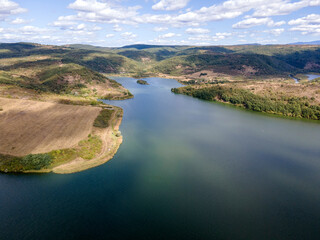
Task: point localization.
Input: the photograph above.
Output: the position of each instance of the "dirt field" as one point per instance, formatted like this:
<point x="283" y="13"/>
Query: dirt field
<point x="277" y="90"/>
<point x="110" y="146"/>
<point x="39" y="127"/>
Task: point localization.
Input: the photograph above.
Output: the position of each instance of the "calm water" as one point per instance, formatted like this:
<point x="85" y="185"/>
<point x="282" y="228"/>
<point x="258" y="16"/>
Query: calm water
<point x="187" y="169"/>
<point x="312" y="76"/>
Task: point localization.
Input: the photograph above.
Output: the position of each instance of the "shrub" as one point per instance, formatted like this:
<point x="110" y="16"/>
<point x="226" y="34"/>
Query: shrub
<point x="103" y="119"/>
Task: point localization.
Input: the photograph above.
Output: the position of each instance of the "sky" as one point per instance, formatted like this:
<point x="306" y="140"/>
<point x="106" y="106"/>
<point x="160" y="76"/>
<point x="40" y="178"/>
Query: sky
<point x="114" y="23"/>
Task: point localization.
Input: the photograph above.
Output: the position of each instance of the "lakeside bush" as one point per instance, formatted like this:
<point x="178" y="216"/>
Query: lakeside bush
<point x="292" y="106"/>
<point x="36" y="161"/>
<point x="30" y="162"/>
<point x="103" y="119"/>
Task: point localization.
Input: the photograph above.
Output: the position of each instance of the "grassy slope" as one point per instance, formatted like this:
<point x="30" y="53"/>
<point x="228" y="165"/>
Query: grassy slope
<point x="59" y="70"/>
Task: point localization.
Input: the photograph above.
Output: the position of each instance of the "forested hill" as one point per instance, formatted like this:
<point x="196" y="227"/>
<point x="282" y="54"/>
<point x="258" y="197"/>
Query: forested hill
<point x="247" y="60"/>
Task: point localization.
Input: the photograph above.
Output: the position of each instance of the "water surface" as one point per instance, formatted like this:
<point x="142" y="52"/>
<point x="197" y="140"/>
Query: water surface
<point x="187" y="169"/>
<point x="312" y="76"/>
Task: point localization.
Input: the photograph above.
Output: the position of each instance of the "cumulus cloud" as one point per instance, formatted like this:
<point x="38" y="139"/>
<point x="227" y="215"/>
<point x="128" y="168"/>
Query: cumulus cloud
<point x="160" y="29"/>
<point x="197" y="31"/>
<point x="170" y="5"/>
<point x="169" y="35"/>
<point x="128" y="35"/>
<point x="64" y="22"/>
<point x="96" y="11"/>
<point x="221" y="36"/>
<point x="109" y="35"/>
<point x="307" y="25"/>
<point x="8" y="8"/>
<point x="19" y="21"/>
<point x="275" y="32"/>
<point x="211" y="38"/>
<point x="310" y="19"/>
<point x="117" y="28"/>
<point x="273" y="8"/>
<point x="252" y="22"/>
<point x="106" y="12"/>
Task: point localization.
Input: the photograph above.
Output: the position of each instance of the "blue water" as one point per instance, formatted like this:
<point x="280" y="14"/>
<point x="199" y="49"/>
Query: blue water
<point x="187" y="169"/>
<point x="312" y="76"/>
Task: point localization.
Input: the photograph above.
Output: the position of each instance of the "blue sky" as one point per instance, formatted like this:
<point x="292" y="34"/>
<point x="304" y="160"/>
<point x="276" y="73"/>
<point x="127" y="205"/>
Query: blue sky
<point x="113" y="23"/>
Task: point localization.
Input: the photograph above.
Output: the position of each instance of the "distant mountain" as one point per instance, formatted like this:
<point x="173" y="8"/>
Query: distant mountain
<point x="306" y="43"/>
<point x="146" y="46"/>
<point x="87" y="47"/>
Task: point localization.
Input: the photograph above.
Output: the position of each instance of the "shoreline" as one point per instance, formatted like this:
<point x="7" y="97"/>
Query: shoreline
<point x="107" y="153"/>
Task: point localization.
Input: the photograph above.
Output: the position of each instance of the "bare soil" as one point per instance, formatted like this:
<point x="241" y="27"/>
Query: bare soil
<point x="110" y="144"/>
<point x="277" y="89"/>
<point x="38" y="127"/>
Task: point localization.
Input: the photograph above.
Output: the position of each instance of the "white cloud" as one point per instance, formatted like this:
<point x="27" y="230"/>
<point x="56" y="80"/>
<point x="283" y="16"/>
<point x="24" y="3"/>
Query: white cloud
<point x="169" y="35"/>
<point x="64" y="22"/>
<point x="67" y="23"/>
<point x="166" y="41"/>
<point x="128" y="35"/>
<point x="312" y="18"/>
<point x="252" y="22"/>
<point x="170" y="5"/>
<point x="207" y="38"/>
<point x="221" y="36"/>
<point x="29" y="30"/>
<point x="197" y="31"/>
<point x="160" y="29"/>
<point x="202" y="37"/>
<point x="267" y="41"/>
<point x="109" y="35"/>
<point x="96" y="11"/>
<point x="117" y="28"/>
<point x="284" y="7"/>
<point x="81" y="26"/>
<point x="8" y="8"/>
<point x="19" y="21"/>
<point x="108" y="12"/>
<point x="276" y="32"/>
<point x="307" y="25"/>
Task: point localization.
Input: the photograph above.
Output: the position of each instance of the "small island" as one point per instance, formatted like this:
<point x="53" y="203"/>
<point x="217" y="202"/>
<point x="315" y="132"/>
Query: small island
<point x="142" y="82"/>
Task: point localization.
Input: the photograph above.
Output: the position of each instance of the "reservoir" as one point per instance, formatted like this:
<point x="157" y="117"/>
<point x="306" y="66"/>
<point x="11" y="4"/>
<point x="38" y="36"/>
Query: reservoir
<point x="187" y="169"/>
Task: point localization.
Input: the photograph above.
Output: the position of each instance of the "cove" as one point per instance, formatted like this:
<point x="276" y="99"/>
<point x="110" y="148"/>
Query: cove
<point x="187" y="169"/>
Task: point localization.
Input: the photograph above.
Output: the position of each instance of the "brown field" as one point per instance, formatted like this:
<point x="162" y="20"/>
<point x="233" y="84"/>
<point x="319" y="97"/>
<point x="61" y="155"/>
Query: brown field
<point x="110" y="145"/>
<point x="39" y="127"/>
<point x="212" y="76"/>
<point x="276" y="90"/>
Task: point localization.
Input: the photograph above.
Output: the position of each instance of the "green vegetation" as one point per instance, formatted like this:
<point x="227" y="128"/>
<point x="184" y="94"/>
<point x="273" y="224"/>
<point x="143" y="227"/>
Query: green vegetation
<point x="30" y="162"/>
<point x="63" y="155"/>
<point x="287" y="106"/>
<point x="80" y="102"/>
<point x="87" y="149"/>
<point x="144" y="60"/>
<point x="103" y="119"/>
<point x="126" y="95"/>
<point x="142" y="82"/>
<point x="90" y="148"/>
